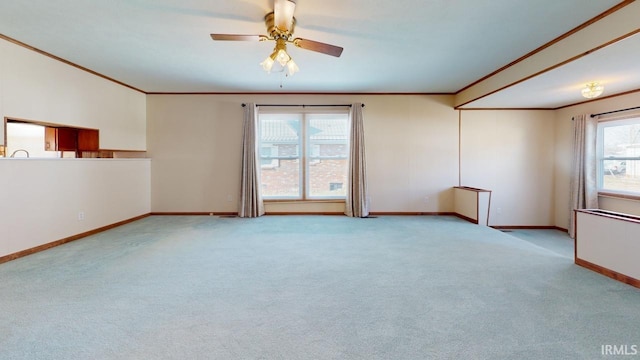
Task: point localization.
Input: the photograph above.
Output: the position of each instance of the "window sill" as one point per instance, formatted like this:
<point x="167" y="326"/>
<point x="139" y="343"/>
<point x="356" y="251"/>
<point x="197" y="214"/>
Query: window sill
<point x="618" y="196"/>
<point x="304" y="201"/>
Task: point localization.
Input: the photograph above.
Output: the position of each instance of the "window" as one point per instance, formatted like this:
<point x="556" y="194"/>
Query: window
<point x="304" y="155"/>
<point x="618" y="147"/>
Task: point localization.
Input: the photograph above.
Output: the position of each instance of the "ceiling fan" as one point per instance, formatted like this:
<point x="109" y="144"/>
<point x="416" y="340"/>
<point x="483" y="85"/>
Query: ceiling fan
<point x="280" y="25"/>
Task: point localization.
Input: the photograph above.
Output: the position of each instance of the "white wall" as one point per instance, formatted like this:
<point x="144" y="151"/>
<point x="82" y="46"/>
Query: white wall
<point x="195" y="143"/>
<point x="564" y="138"/>
<point x="36" y="87"/>
<point x="3" y="71"/>
<point x="41" y="198"/>
<point x="511" y="152"/>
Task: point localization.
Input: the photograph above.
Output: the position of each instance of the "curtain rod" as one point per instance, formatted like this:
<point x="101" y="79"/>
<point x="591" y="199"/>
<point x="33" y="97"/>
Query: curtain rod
<point x="615" y="111"/>
<point x="292" y="105"/>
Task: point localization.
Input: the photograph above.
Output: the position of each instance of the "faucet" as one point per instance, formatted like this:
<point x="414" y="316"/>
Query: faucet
<point x="14" y="153"/>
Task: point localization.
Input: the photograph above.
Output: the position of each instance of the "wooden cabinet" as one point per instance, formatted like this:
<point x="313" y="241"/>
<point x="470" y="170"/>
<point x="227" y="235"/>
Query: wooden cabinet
<point x="71" y="139"/>
<point x="88" y="140"/>
<point x="60" y="139"/>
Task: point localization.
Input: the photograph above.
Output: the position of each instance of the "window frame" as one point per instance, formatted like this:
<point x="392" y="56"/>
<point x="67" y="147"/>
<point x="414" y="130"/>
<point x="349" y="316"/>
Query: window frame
<point x="306" y="155"/>
<point x="600" y="157"/>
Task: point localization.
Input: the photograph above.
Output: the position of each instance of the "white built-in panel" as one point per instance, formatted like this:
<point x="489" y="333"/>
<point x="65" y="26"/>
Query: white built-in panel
<point x="472" y="203"/>
<point x="609" y="240"/>
<point x="45" y="200"/>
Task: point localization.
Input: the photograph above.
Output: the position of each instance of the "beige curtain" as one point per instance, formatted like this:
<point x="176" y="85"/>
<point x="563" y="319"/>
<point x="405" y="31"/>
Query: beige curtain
<point x="583" y="192"/>
<point x="357" y="192"/>
<point x="251" y="204"/>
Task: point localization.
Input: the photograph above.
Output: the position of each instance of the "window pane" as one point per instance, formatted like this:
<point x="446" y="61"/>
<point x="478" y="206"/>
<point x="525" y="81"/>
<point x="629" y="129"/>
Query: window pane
<point x="621" y="175"/>
<point x="328" y="178"/>
<point x="280" y="155"/>
<point x="622" y="140"/>
<point x="327" y="149"/>
<point x="282" y="181"/>
<point x="620" y="156"/>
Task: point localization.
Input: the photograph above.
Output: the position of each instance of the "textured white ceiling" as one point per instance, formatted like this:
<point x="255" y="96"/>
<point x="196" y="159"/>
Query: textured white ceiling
<point x="402" y="46"/>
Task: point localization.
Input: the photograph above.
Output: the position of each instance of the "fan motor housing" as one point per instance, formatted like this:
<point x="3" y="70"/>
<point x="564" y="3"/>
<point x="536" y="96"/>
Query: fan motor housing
<point x="276" y="32"/>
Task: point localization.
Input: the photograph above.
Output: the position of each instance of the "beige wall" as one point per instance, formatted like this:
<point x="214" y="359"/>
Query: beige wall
<point x="510" y="152"/>
<point x="564" y="138"/>
<point x="36" y="87"/>
<point x="195" y="144"/>
<point x="41" y="198"/>
<point x="412" y="151"/>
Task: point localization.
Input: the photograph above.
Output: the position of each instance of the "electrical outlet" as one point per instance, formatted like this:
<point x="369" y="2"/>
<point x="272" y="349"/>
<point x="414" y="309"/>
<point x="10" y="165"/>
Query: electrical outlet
<point x="499" y="211"/>
<point x="426" y="199"/>
<point x="229" y="198"/>
<point x="81" y="216"/>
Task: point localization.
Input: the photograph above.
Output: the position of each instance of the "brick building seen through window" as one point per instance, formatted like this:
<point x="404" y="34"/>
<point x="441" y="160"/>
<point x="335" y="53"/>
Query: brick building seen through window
<point x="304" y="155"/>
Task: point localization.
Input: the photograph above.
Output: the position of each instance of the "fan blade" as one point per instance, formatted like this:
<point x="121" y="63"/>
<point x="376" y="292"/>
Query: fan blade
<point x="233" y="37"/>
<point x="283" y="14"/>
<point x="318" y="47"/>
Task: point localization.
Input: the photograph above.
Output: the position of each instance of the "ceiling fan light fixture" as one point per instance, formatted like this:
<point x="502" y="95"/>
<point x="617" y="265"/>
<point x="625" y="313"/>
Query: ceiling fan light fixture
<point x="267" y="64"/>
<point x="292" y="67"/>
<point x="280" y="25"/>
<point x="592" y="90"/>
<point x="282" y="57"/>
